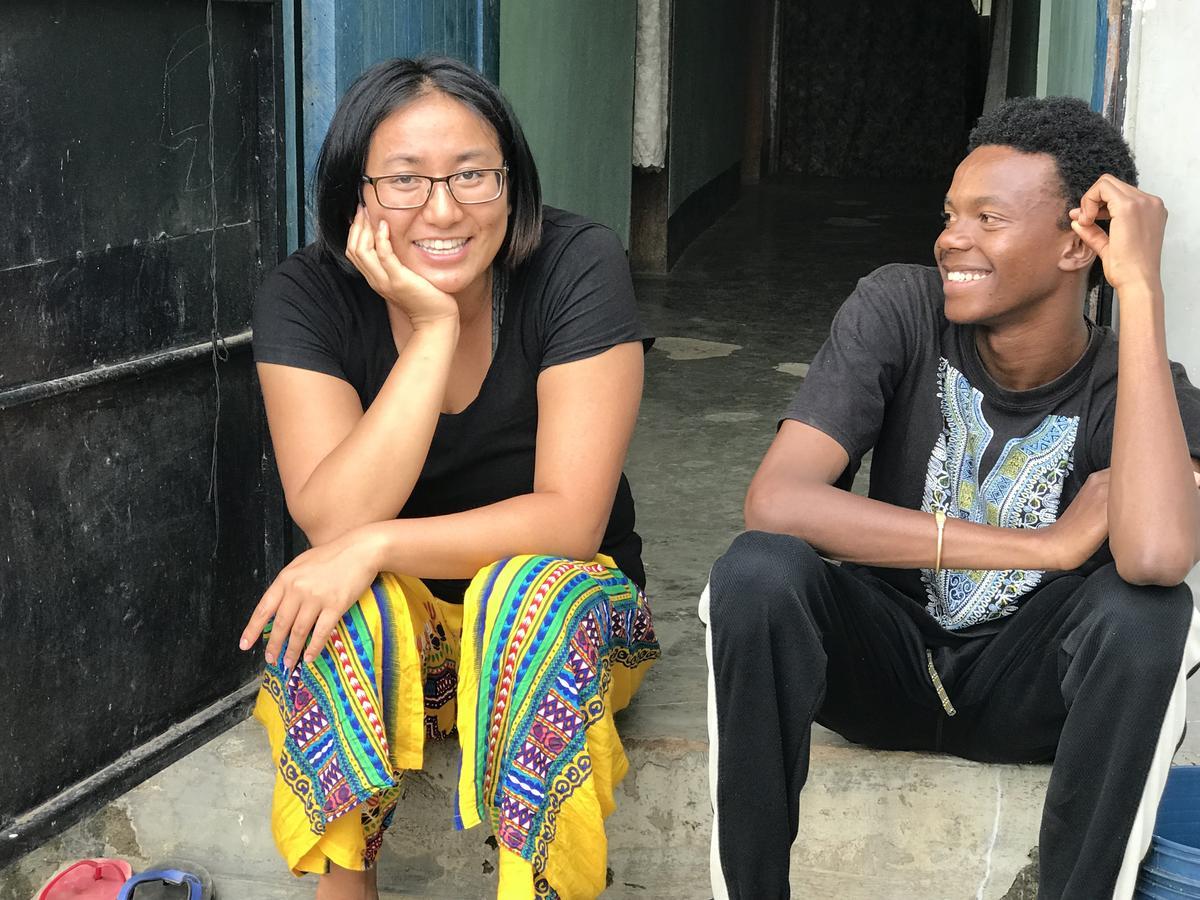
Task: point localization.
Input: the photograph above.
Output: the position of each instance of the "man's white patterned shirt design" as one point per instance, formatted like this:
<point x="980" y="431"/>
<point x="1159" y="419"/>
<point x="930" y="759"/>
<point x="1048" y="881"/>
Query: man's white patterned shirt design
<point x="1022" y="490"/>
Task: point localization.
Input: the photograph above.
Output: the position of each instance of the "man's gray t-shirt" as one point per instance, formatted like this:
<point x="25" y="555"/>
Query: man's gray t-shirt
<point x="897" y="378"/>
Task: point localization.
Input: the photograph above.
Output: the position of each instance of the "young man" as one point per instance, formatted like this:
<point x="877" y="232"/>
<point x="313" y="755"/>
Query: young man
<point x="1011" y="589"/>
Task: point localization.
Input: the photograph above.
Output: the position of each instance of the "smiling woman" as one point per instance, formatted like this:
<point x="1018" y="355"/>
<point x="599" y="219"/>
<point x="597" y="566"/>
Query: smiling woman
<point x="426" y="365"/>
<point x="450" y="239"/>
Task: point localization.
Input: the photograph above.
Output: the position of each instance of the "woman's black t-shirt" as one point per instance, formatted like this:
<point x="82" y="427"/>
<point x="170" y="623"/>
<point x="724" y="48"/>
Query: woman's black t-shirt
<point x="572" y="299"/>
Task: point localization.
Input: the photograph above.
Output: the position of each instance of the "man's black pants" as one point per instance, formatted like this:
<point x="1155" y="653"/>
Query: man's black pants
<point x="1082" y="674"/>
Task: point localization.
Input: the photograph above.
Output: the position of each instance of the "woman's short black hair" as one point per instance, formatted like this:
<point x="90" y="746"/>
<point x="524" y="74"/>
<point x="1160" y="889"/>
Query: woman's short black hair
<point x="1083" y="144"/>
<point x="380" y="91"/>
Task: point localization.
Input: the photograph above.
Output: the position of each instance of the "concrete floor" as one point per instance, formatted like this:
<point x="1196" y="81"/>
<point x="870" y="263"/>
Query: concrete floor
<point x="739" y="318"/>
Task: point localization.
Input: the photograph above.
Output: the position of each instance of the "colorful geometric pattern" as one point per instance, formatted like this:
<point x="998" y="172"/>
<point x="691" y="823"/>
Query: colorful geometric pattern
<point x="336" y="750"/>
<point x="548" y="633"/>
<point x="560" y="629"/>
<point x="376" y="816"/>
<point x="1022" y="490"/>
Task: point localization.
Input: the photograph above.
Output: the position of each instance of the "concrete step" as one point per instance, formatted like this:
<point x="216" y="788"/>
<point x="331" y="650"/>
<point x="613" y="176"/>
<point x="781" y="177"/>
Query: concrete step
<point x="874" y="825"/>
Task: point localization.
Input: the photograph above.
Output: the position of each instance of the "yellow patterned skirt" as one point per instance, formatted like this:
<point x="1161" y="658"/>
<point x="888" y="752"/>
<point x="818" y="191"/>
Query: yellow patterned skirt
<point x="530" y="669"/>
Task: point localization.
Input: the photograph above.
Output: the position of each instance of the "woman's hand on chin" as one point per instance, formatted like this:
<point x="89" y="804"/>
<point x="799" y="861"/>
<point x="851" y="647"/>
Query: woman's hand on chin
<point x="369" y="248"/>
<point x="311" y="594"/>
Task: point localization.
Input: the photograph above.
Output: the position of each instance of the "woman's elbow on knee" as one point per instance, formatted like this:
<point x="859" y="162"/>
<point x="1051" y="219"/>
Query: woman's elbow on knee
<point x="590" y="543"/>
<point x="581" y="540"/>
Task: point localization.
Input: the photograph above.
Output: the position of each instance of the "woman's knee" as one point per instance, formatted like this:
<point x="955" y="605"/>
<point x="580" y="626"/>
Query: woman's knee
<point x="537" y="561"/>
<point x="514" y="581"/>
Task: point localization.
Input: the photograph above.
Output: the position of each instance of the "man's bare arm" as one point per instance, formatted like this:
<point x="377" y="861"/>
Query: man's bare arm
<point x="792" y="492"/>
<point x="1154" y="509"/>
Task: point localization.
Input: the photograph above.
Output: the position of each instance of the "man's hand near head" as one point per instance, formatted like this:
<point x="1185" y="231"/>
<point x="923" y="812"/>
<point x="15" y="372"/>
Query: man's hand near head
<point x="1153" y="507"/>
<point x="1131" y="249"/>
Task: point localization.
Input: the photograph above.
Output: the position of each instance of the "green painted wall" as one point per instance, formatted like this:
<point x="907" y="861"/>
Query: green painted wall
<point x="708" y="71"/>
<point x="1067" y="53"/>
<point x="567" y="68"/>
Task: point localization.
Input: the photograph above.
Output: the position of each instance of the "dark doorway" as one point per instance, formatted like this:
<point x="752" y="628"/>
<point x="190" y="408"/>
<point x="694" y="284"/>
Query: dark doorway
<point x="878" y="88"/>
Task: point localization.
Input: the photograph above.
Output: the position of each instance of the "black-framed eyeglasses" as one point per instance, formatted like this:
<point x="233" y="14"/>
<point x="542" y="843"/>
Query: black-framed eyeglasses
<point x="413" y="191"/>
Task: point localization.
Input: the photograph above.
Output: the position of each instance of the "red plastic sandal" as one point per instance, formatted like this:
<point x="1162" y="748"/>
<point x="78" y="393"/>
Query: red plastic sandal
<point x="87" y="879"/>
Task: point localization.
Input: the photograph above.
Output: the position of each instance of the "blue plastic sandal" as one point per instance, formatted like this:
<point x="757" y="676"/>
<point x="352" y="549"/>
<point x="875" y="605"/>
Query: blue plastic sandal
<point x="169" y="881"/>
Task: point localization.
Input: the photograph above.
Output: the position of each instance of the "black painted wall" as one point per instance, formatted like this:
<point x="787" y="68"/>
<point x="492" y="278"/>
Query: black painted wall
<point x="878" y="88"/>
<point x="139" y="161"/>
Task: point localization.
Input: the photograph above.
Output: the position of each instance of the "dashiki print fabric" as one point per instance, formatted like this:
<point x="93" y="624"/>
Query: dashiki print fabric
<point x="552" y="648"/>
<point x="1022" y="490"/>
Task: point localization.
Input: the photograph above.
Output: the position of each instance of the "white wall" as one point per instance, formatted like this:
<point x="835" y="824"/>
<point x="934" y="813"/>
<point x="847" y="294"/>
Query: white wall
<point x="1162" y="125"/>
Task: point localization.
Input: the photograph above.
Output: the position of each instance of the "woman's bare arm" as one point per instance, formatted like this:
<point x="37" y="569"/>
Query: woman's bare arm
<point x="586" y="415"/>
<point x="341" y="467"/>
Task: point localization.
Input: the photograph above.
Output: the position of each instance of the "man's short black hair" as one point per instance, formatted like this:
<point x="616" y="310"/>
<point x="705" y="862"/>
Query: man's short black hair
<point x="376" y="94"/>
<point x="1083" y="144"/>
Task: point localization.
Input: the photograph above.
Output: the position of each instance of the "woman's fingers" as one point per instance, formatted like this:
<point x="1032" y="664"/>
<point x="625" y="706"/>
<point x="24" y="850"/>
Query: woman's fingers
<point x="321" y="632"/>
<point x="305" y="624"/>
<point x="282" y="627"/>
<point x="365" y="256"/>
<point x="261" y="616"/>
<point x="396" y="271"/>
<point x="356" y="248"/>
<point x="374" y="256"/>
<point x="302" y="625"/>
<point x="364" y="235"/>
<point x="354" y="235"/>
<point x="383" y="242"/>
<point x="364" y="244"/>
<point x="306" y="601"/>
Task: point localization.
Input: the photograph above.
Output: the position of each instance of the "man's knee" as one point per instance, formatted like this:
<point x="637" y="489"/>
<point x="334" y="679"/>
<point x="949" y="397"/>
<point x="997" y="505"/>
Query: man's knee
<point x="1141" y="626"/>
<point x="1137" y="608"/>
<point x="759" y="571"/>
